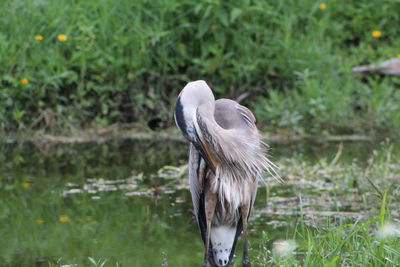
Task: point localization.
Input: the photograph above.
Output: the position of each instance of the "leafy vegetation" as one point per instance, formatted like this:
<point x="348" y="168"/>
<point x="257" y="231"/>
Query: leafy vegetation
<point x="82" y="63"/>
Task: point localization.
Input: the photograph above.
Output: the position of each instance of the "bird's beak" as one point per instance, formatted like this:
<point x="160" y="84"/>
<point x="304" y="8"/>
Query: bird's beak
<point x="205" y="153"/>
<point x="208" y="157"/>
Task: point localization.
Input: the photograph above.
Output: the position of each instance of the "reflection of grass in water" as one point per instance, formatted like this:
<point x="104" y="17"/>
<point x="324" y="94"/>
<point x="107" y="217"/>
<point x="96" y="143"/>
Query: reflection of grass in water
<point x="147" y="231"/>
<point x="133" y="231"/>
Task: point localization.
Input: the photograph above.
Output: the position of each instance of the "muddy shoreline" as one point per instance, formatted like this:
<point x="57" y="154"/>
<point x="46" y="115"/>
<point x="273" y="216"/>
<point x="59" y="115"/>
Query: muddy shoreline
<point x="169" y="135"/>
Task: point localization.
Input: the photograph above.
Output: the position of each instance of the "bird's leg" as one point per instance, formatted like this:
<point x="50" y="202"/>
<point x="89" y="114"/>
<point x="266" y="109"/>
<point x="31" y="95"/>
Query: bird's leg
<point x="210" y="200"/>
<point x="244" y="210"/>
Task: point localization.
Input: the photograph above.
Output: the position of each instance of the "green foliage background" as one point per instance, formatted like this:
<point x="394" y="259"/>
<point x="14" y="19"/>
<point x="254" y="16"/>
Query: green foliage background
<point x="126" y="61"/>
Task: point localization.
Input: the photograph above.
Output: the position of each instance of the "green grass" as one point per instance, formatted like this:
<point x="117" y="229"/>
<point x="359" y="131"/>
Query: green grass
<point x="126" y="61"/>
<point x="371" y="191"/>
<point x="338" y="243"/>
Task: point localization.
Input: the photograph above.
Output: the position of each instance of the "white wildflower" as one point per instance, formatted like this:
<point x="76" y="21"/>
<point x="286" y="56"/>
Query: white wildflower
<point x="388" y="230"/>
<point x="283" y="248"/>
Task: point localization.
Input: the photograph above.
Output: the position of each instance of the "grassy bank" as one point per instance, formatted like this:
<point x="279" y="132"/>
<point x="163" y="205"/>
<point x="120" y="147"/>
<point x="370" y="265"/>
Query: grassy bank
<point x="84" y="63"/>
<point x="350" y="218"/>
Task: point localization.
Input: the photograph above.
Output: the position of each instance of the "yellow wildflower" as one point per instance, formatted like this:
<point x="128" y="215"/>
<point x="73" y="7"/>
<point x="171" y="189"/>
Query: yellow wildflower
<point x="398" y="56"/>
<point x="376" y="34"/>
<point x="39" y="37"/>
<point x="322" y="6"/>
<point x="62" y="38"/>
<point x="26" y="185"/>
<point x="24" y="81"/>
<point x="39" y="221"/>
<point x="63" y="218"/>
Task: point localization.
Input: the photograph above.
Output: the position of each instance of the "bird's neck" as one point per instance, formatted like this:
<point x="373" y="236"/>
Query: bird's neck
<point x="206" y="113"/>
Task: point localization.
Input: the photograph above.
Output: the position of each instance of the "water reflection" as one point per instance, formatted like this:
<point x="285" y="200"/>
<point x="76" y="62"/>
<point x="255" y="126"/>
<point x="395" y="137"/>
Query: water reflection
<point x="118" y="159"/>
<point x="122" y="209"/>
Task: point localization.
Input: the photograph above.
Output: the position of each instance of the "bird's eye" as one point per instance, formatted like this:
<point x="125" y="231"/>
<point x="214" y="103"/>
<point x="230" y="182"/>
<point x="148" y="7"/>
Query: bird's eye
<point x="191" y="132"/>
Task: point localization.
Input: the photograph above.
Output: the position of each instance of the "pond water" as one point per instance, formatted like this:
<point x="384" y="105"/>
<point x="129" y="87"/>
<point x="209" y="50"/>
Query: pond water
<point x="63" y="203"/>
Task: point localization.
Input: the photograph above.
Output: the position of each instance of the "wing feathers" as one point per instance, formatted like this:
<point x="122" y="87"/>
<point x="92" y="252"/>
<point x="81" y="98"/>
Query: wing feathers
<point x="247" y="115"/>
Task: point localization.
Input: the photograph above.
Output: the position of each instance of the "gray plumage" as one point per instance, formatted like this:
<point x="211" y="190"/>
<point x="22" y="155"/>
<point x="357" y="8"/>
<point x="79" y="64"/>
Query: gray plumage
<point x="226" y="160"/>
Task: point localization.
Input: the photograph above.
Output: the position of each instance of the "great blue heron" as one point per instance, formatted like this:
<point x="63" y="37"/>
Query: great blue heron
<point x="226" y="160"/>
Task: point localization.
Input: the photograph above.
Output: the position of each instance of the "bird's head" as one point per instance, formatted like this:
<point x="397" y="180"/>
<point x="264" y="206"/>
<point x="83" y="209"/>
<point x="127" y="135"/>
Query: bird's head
<point x="193" y="96"/>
